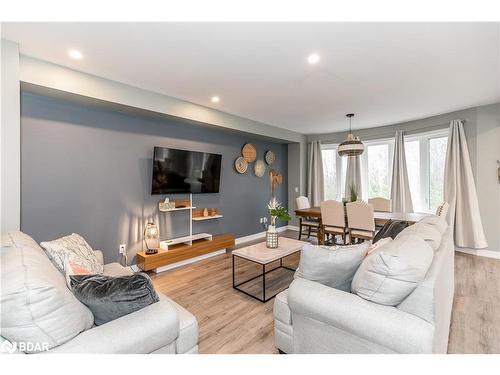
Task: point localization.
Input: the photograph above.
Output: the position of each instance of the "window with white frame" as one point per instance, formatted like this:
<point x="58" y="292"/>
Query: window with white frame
<point x="425" y="158"/>
<point x="330" y="157"/>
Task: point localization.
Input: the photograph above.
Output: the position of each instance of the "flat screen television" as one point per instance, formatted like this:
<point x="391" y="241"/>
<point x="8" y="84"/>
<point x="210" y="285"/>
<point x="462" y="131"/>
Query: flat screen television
<point x="181" y="171"/>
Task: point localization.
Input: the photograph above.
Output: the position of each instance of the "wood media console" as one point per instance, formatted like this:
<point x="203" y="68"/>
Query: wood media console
<point x="183" y="253"/>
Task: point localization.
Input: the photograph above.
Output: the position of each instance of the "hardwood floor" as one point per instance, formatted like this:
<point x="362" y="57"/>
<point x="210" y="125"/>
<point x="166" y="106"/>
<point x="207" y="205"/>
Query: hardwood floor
<point x="231" y="322"/>
<point x="475" y="324"/>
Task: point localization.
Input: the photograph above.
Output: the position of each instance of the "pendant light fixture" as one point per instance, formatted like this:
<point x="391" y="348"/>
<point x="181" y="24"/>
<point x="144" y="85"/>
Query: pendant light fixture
<point x="352" y="146"/>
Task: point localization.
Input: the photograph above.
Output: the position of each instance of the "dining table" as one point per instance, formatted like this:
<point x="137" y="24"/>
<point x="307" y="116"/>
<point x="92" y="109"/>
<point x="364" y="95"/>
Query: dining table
<point x="381" y="217"/>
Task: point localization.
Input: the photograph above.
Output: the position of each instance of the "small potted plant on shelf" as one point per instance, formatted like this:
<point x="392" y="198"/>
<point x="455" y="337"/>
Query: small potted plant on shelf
<point x="276" y="211"/>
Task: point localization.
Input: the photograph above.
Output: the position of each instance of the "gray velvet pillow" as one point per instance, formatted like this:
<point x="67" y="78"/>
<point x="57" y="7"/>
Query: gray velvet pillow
<point x="112" y="297"/>
<point x="331" y="266"/>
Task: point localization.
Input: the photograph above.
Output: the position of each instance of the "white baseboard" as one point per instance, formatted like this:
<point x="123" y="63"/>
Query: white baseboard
<point x="481" y="253"/>
<point x="188" y="261"/>
<point x="293" y="227"/>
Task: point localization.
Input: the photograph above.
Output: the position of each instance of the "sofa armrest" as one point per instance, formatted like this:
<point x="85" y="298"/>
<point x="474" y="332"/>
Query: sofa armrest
<point x="386" y="326"/>
<point x="100" y="256"/>
<point x="140" y="332"/>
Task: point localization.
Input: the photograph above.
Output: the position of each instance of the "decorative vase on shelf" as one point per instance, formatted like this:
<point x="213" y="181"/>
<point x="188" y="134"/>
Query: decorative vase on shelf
<point x="271" y="237"/>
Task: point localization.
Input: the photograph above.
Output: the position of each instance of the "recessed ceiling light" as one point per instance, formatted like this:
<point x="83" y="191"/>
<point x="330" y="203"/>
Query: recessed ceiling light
<point x="75" y="54"/>
<point x="215" y="99"/>
<point x="313" y="58"/>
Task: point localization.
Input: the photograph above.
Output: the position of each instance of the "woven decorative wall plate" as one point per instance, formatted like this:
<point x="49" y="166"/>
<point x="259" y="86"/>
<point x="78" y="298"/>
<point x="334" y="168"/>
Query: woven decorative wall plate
<point x="249" y="152"/>
<point x="241" y="165"/>
<point x="259" y="168"/>
<point x="270" y="157"/>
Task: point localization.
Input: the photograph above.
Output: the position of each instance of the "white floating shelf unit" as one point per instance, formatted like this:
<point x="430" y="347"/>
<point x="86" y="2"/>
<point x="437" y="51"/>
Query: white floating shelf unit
<point x="164" y="244"/>
<point x="202" y="218"/>
<point x="178" y="209"/>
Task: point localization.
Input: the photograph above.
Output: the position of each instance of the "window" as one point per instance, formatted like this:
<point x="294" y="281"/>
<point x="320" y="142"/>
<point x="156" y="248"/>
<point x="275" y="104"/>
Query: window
<point x="425" y="158"/>
<point x="378" y="171"/>
<point x="329" y="156"/>
<point x="437" y="155"/>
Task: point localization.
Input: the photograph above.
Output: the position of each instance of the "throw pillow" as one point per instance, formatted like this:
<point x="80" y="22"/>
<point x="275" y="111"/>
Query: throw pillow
<point x="390" y="229"/>
<point x="75" y="249"/>
<point x="427" y="232"/>
<point x="112" y="297"/>
<point x="331" y="266"/>
<point x="389" y="274"/>
<point x="72" y="268"/>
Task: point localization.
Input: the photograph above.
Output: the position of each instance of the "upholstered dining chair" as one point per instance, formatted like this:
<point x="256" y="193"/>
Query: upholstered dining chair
<point x="311" y="224"/>
<point x="442" y="210"/>
<point x="381" y="204"/>
<point x="333" y="219"/>
<point x="360" y="221"/>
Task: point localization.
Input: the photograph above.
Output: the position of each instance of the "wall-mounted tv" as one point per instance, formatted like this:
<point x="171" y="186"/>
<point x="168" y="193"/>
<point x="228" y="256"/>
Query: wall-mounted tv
<point x="181" y="171"/>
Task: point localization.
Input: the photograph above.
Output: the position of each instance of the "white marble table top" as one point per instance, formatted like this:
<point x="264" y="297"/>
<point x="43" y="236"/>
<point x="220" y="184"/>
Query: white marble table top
<point x="261" y="254"/>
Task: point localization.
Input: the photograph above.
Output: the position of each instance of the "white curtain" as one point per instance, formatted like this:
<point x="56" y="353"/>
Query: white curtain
<point x="353" y="176"/>
<point x="315" y="187"/>
<point x="460" y="192"/>
<point x="400" y="187"/>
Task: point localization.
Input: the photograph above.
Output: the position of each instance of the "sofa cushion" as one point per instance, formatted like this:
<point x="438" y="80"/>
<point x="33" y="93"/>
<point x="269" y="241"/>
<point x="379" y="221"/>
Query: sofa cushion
<point x="37" y="306"/>
<point x="331" y="266"/>
<point x="110" y="297"/>
<point x="390" y="273"/>
<point x="437" y="222"/>
<point x="72" y="248"/>
<point x="427" y="232"/>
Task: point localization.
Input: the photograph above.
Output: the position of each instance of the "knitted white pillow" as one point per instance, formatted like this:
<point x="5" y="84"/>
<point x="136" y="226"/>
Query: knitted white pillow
<point x="74" y="249"/>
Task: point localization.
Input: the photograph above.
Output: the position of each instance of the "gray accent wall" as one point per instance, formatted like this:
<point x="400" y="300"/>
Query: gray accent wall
<point x="88" y="170"/>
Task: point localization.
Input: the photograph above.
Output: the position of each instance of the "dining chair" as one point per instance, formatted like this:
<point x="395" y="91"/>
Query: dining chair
<point x="311" y="224"/>
<point x="381" y="204"/>
<point x="333" y="219"/>
<point x="442" y="210"/>
<point x="360" y="221"/>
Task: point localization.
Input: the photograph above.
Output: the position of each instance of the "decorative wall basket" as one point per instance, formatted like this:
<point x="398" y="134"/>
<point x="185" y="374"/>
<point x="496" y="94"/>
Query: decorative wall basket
<point x="249" y="152"/>
<point x="272" y="240"/>
<point x="241" y="165"/>
<point x="259" y="168"/>
<point x="270" y="157"/>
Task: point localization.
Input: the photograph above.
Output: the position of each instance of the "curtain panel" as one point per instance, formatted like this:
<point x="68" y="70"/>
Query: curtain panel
<point x="315" y="179"/>
<point x="460" y="192"/>
<point x="400" y="186"/>
<point x="353" y="176"/>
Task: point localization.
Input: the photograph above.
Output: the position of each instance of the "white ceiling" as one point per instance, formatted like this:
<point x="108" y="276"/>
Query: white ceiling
<point x="384" y="72"/>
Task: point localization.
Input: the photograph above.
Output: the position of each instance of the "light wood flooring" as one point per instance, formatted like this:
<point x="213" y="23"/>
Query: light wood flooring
<point x="231" y="322"/>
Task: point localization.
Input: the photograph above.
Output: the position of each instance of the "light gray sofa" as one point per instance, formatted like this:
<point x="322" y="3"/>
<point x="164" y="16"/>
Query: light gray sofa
<point x="312" y="318"/>
<point x="163" y="327"/>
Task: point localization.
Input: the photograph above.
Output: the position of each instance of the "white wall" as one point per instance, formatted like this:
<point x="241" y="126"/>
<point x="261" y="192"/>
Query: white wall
<point x="10" y="138"/>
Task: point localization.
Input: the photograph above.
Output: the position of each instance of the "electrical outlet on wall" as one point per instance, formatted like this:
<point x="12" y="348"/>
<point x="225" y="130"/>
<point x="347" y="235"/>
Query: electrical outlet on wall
<point x="123" y="248"/>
